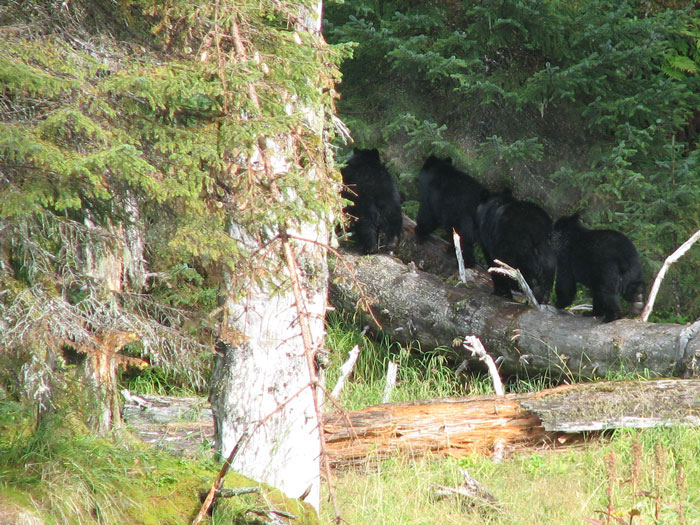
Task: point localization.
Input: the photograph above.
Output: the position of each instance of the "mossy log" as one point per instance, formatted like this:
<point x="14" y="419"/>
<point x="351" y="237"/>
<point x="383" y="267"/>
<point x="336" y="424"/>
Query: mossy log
<point x="484" y="424"/>
<point x="411" y="305"/>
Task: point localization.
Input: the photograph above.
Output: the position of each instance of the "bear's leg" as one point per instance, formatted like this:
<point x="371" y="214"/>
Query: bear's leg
<point x="393" y="228"/>
<point x="366" y="237"/>
<point x="606" y="303"/>
<point x="566" y="286"/>
<point x="426" y="223"/>
<point x="466" y="237"/>
<point x="502" y="286"/>
<point x="634" y="294"/>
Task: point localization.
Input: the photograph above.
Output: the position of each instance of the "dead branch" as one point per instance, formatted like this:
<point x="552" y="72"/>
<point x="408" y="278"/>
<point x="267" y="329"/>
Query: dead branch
<point x="473" y="344"/>
<point x="391" y="370"/>
<point x="472" y="492"/>
<point x="456" y="240"/>
<point x="345" y="370"/>
<point x="485" y="424"/>
<point x="515" y="274"/>
<point x="662" y="273"/>
<point x="417" y="308"/>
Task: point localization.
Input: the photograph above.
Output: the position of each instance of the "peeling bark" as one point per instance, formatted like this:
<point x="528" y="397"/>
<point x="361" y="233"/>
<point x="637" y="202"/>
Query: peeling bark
<point x="483" y="424"/>
<point x="412" y="305"/>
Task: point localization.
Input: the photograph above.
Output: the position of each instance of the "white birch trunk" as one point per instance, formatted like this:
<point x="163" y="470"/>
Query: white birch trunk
<point x="265" y="378"/>
<point x="261" y="391"/>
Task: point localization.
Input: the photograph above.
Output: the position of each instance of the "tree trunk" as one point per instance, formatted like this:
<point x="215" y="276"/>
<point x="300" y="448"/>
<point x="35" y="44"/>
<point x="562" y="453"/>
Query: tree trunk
<point x="486" y="424"/>
<point x="263" y="387"/>
<point x="260" y="388"/>
<point x="118" y="266"/>
<point x="413" y="305"/>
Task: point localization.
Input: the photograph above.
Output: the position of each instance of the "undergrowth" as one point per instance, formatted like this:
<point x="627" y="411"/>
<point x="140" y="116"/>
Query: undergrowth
<point x="639" y="477"/>
<point x="58" y="473"/>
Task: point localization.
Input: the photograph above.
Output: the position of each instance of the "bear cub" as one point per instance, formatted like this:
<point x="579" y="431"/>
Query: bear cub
<point x="376" y="204"/>
<point x="605" y="261"/>
<point x="448" y="198"/>
<point x="518" y="233"/>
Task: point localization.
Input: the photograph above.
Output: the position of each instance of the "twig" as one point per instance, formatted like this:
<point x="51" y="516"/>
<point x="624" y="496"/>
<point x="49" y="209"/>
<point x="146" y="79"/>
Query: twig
<point x="391" y="370"/>
<point x="232" y="493"/>
<point x="216" y="486"/>
<point x="473" y="344"/>
<point x="309" y="351"/>
<point x="345" y="370"/>
<point x="504" y="269"/>
<point x="473" y="490"/>
<point x="662" y="272"/>
<point x="458" y="252"/>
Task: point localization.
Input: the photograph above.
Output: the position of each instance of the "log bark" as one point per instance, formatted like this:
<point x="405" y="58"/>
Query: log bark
<point x="412" y="306"/>
<point x="549" y="418"/>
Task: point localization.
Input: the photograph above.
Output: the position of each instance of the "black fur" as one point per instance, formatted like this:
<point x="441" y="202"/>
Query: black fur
<point x="605" y="261"/>
<point x="376" y="204"/>
<point x="448" y="198"/>
<point x="520" y="234"/>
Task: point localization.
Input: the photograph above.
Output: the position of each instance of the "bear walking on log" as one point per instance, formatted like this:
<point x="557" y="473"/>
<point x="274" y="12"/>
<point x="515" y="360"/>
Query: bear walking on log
<point x="520" y="234"/>
<point x="605" y="261"/>
<point x="376" y="204"/>
<point x="448" y="198"/>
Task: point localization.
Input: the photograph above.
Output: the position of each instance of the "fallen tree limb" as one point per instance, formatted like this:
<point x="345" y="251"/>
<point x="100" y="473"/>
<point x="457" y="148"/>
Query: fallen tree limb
<point x="682" y="249"/>
<point x="457" y="427"/>
<point x="416" y="306"/>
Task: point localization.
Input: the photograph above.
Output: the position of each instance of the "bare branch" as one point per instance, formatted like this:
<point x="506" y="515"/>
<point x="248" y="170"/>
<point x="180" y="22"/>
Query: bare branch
<point x="662" y="272"/>
<point x="504" y="269"/>
<point x="391" y="370"/>
<point x="473" y="344"/>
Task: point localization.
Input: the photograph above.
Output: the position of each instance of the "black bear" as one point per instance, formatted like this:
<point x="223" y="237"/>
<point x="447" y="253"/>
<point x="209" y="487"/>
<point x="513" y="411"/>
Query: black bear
<point x="519" y="234"/>
<point x="376" y="205"/>
<point x="605" y="261"/>
<point x="448" y="198"/>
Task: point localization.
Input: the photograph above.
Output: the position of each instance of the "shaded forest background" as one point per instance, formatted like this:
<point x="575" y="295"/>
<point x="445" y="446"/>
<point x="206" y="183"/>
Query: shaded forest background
<point x="577" y="106"/>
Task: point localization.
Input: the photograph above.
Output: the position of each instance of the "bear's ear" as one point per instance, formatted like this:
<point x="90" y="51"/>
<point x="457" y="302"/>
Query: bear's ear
<point x="374" y="152"/>
<point x="430" y="161"/>
<point x="355" y="151"/>
<point x="448" y="160"/>
<point x="575" y="218"/>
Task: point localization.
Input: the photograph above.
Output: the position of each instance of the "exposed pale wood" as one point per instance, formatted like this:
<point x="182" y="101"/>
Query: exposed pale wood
<point x="391" y="371"/>
<point x="345" y="370"/>
<point x="457" y="427"/>
<point x="662" y="272"/>
<point x="473" y="344"/>
<point x="452" y="427"/>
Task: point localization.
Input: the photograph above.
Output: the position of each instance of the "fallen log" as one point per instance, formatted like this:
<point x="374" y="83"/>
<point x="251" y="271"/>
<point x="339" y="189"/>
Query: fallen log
<point x="412" y="306"/>
<point x="549" y="418"/>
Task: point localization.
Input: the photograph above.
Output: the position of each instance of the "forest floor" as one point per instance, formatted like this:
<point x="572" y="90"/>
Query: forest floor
<point x="183" y="426"/>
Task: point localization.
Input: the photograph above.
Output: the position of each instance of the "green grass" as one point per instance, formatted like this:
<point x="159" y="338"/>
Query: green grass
<point x="561" y="486"/>
<point x="62" y="474"/>
<point x="421" y="375"/>
<point x="556" y="487"/>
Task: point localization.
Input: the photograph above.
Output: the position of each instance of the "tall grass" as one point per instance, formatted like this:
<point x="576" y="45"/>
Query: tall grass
<point x="639" y="477"/>
<point x="420" y="375"/>
<point x="653" y="478"/>
<point x="64" y="475"/>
